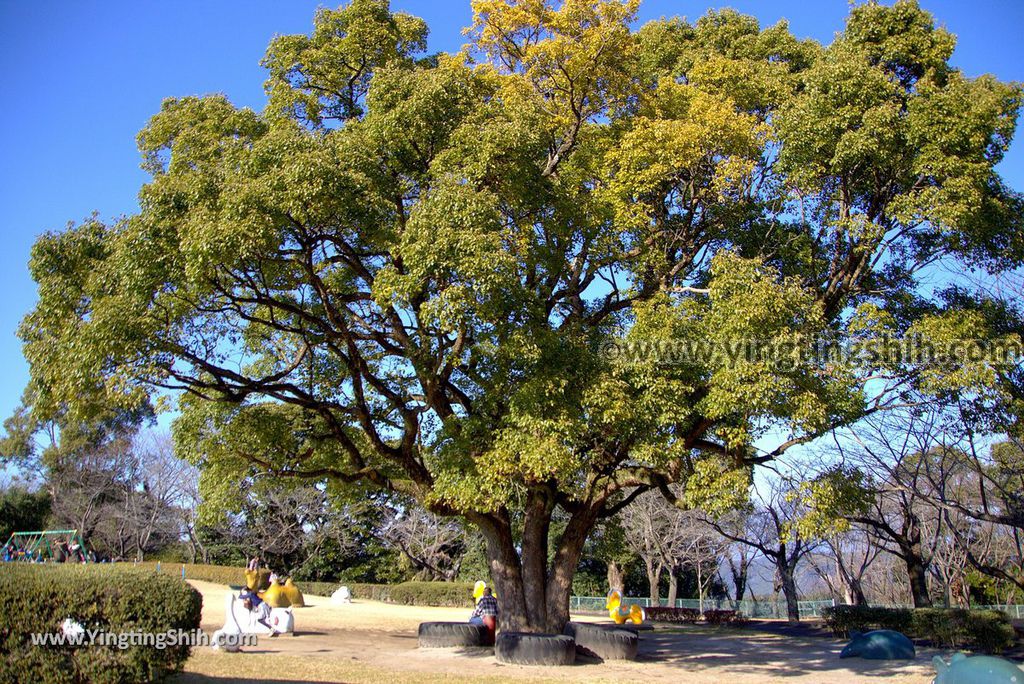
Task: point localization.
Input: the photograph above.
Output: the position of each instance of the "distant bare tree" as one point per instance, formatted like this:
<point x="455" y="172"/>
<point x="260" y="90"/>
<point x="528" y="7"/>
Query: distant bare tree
<point x="691" y="543"/>
<point x="644" y="522"/>
<point x="87" y="491"/>
<point x="887" y="583"/>
<point x="667" y="538"/>
<point x="278" y="519"/>
<point x="898" y="451"/>
<point x="842" y="562"/>
<point x="769" y="530"/>
<point x="153" y="494"/>
<point x="434" y="546"/>
<point x="188" y="516"/>
<point x="739" y="557"/>
<point x="982" y="481"/>
<point x="122" y="496"/>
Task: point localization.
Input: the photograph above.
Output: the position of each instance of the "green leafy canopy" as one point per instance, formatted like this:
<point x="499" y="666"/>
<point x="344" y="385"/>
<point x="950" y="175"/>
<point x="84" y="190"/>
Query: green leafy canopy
<point x="405" y="270"/>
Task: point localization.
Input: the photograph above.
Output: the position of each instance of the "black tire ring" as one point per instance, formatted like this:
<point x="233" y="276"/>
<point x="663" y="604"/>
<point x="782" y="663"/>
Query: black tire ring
<point x="450" y="634"/>
<point x="606" y="643"/>
<point x="520" y="648"/>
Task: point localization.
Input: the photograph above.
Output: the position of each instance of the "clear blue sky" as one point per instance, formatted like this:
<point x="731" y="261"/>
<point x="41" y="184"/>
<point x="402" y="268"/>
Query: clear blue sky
<point x="78" y="79"/>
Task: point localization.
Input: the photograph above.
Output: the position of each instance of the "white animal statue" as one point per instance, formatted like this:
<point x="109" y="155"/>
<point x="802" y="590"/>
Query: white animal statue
<point x="240" y="620"/>
<point x="342" y="595"/>
<point x="71" y="629"/>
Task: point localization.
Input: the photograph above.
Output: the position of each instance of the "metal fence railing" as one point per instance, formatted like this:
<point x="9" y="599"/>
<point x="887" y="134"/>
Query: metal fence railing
<point x="752" y="609"/>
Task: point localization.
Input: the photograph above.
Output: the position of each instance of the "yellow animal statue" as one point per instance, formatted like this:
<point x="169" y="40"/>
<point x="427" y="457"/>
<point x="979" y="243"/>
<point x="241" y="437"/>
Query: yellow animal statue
<point x="618" y="613"/>
<point x="276" y="596"/>
<point x="257" y="579"/>
<point x="478" y="591"/>
<point x="292" y="592"/>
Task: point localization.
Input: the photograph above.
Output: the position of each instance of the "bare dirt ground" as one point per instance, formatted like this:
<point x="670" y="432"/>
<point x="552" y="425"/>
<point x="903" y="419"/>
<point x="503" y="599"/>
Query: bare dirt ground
<point x="375" y="643"/>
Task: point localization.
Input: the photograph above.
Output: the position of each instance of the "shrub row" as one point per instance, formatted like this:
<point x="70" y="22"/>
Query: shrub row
<point x="408" y="593"/>
<point x="674" y="615"/>
<point x="845" y="619"/>
<point x="219" y="574"/>
<point x="370" y="592"/>
<point x="729" y="618"/>
<point x="988" y="631"/>
<point x="115" y="600"/>
<point x="453" y="594"/>
<point x="318" y="588"/>
<point x="692" y="616"/>
<point x="457" y="594"/>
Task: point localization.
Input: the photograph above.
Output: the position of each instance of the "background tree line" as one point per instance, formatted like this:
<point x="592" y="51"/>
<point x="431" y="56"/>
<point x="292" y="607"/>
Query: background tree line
<point x="403" y="282"/>
<point x="923" y="512"/>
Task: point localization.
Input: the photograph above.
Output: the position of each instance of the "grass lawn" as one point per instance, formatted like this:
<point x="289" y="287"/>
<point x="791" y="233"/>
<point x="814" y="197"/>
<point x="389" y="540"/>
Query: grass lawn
<point x="375" y="643"/>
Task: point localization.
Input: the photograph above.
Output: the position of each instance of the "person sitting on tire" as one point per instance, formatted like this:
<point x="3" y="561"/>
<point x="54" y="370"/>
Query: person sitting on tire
<point x="487" y="606"/>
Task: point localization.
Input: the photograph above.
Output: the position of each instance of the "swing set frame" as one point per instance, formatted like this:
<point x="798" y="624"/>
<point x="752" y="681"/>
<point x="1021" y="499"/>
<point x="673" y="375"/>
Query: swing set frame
<point x="42" y="544"/>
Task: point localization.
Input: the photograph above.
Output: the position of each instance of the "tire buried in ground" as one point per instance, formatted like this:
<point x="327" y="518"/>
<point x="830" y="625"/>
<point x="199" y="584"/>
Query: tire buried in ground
<point x="451" y="634"/>
<point x="520" y="648"/>
<point x="606" y="643"/>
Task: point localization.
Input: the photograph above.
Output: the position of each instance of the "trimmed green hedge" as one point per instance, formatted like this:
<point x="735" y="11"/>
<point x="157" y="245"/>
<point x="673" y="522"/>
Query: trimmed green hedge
<point x="222" y="574"/>
<point x="987" y="631"/>
<point x="457" y="594"/>
<point x="318" y="588"/>
<point x="219" y="574"/>
<point x="370" y="592"/>
<point x="685" y="616"/>
<point x="453" y="594"/>
<point x="845" y="619"/>
<point x="691" y="616"/>
<point x="729" y="618"/>
<point x="36" y="599"/>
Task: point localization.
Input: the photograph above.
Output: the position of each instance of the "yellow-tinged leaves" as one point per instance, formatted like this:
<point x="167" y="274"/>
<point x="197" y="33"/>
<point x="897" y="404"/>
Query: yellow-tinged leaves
<point x="716" y="488"/>
<point x="449" y="244"/>
<point x="827" y="502"/>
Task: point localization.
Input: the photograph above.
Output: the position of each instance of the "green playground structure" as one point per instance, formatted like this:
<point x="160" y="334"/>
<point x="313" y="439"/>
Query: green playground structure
<point x="47" y="545"/>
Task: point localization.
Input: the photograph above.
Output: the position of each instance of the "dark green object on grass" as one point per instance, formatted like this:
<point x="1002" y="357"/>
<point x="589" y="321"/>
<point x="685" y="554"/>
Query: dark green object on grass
<point x="880" y="644"/>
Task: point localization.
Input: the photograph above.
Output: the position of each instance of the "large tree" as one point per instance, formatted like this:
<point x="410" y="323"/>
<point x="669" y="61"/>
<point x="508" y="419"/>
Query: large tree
<point x="417" y="274"/>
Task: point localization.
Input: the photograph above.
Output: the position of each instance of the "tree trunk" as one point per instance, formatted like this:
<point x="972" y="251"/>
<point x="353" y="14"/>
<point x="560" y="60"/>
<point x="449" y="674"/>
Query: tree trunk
<point x="533" y="595"/>
<point x="788" y="582"/>
<point x="855" y="593"/>
<point x="853" y="590"/>
<point x="918" y="574"/>
<point x="739" y="577"/>
<point x="506" y="572"/>
<point x="700" y="588"/>
<point x="563" y="567"/>
<point x="673" y="585"/>
<point x="616" y="578"/>
<point x="653" y="580"/>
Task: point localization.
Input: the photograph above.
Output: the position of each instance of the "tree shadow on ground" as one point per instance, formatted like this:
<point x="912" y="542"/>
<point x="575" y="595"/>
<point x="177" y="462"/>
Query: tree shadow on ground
<point x="473" y="652"/>
<point x="772" y="655"/>
<point x="193" y="678"/>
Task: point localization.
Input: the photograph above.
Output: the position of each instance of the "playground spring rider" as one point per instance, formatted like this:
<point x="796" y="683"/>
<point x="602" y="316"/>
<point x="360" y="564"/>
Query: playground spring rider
<point x="620" y="614"/>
